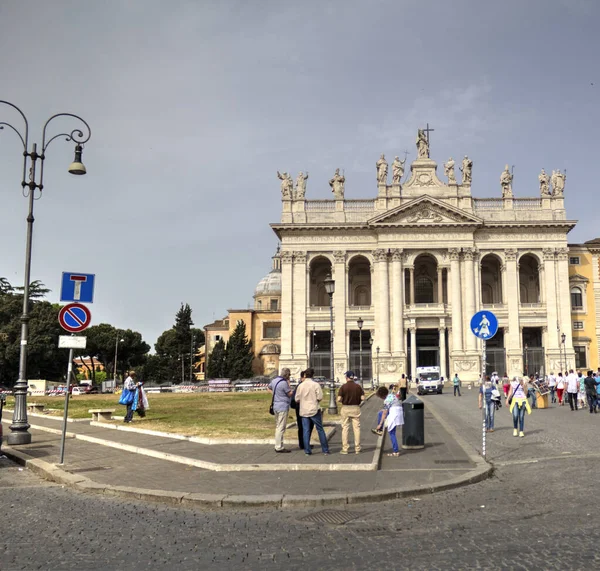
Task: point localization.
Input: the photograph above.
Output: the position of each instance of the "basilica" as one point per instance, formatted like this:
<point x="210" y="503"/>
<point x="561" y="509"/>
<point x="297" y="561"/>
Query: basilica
<point x="414" y="262"/>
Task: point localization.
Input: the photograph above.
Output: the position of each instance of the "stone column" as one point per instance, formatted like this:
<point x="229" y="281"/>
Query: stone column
<point x="550" y="298"/>
<point x="339" y="313"/>
<point x="469" y="292"/>
<point x="503" y="282"/>
<point x="383" y="299"/>
<point x="564" y="300"/>
<point x="413" y="351"/>
<point x="397" y="303"/>
<point x="513" y="341"/>
<point x="411" y="271"/>
<point x="299" y="307"/>
<point x="440" y="287"/>
<point x="287" y="298"/>
<point x="442" y="341"/>
<point x="456" y="297"/>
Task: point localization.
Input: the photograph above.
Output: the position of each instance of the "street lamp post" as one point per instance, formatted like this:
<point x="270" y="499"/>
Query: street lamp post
<point x="526" y="367"/>
<point x="20" y="427"/>
<point x="377" y="367"/>
<point x="117" y="341"/>
<point x="360" y="324"/>
<point x="563" y="338"/>
<point x="192" y="354"/>
<point x="329" y="283"/>
<point x="372" y="371"/>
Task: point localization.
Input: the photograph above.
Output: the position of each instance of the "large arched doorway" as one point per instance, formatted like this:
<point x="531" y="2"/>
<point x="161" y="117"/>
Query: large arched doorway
<point x="320" y="268"/>
<point x="359" y="282"/>
<point x="491" y="280"/>
<point x="529" y="279"/>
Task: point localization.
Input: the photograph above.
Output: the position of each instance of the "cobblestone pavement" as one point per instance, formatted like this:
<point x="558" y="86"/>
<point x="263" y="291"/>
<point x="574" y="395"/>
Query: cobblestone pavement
<point x="537" y="512"/>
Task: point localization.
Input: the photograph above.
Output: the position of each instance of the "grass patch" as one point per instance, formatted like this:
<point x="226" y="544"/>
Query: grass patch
<point x="226" y="415"/>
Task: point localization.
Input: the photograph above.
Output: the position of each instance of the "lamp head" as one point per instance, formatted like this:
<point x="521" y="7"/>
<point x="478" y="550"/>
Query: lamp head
<point x="562" y="338"/>
<point x="77" y="167"/>
<point x="360" y="323"/>
<point x="329" y="283"/>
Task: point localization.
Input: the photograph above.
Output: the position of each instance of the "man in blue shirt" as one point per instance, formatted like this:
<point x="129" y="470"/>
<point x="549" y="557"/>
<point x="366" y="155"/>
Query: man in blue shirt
<point x="282" y="397"/>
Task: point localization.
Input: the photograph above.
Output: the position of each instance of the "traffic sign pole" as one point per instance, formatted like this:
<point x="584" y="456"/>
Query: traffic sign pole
<point x="66" y="412"/>
<point x="484" y="325"/>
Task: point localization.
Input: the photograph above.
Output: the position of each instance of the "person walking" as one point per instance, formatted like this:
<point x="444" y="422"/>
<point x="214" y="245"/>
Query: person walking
<point x="590" y="391"/>
<point x="309" y="394"/>
<point x="403" y="386"/>
<point x="282" y="396"/>
<point x="351" y="396"/>
<point x="486" y="397"/>
<point x="581" y="398"/>
<point x="505" y="384"/>
<point x="518" y="403"/>
<point x="456" y="383"/>
<point x="296" y="407"/>
<point x="572" y="389"/>
<point x="560" y="388"/>
<point x="391" y="416"/>
<point x="552" y="387"/>
<point x="532" y="392"/>
<point x="129" y="385"/>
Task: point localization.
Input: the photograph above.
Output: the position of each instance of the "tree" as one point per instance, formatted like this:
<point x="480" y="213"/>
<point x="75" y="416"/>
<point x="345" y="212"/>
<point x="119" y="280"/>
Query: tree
<point x="37" y="290"/>
<point x="238" y="362"/>
<point x="215" y="368"/>
<point x="183" y="326"/>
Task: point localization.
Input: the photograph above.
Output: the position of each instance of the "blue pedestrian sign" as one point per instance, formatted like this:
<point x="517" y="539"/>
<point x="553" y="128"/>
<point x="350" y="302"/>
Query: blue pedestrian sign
<point x="77" y="287"/>
<point x="484" y="324"/>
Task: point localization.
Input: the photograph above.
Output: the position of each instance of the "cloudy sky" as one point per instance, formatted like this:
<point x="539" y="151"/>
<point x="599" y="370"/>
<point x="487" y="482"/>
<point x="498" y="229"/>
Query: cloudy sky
<point x="194" y="106"/>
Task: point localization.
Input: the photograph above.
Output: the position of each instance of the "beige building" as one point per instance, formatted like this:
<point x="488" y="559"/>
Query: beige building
<point x="416" y="261"/>
<point x="263" y="323"/>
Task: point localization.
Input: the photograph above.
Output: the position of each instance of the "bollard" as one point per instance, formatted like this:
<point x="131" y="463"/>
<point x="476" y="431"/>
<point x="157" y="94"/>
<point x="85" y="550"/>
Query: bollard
<point x="413" y="430"/>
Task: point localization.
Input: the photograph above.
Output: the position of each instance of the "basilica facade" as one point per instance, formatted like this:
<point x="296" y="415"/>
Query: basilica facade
<point x="412" y="264"/>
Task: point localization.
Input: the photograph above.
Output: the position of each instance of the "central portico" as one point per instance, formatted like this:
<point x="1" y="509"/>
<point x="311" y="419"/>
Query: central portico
<point x="415" y="263"/>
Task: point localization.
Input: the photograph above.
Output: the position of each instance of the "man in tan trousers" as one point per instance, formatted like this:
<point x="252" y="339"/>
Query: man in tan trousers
<point x="350" y="395"/>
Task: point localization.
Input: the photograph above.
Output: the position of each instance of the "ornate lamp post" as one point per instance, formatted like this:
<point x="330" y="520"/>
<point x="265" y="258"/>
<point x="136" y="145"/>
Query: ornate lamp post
<point x="372" y="371"/>
<point x="360" y="324"/>
<point x="20" y="427"/>
<point x="526" y="367"/>
<point x="563" y="338"/>
<point x="377" y="367"/>
<point x="329" y="283"/>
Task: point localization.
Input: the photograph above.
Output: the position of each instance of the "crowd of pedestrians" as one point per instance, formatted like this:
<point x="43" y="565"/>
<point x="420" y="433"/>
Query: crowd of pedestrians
<point x="305" y="401"/>
<point x="521" y="394"/>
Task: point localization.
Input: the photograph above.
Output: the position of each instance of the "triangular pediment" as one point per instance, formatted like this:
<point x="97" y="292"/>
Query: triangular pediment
<point x="578" y="278"/>
<point x="425" y="211"/>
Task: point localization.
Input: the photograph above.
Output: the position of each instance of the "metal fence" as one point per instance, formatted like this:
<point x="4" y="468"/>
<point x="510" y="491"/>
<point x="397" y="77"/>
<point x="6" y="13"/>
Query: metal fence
<point x="533" y="361"/>
<point x="495" y="360"/>
<point x="367" y="368"/>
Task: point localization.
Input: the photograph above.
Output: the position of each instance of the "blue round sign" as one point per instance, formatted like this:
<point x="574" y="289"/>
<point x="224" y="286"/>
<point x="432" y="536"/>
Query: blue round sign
<point x="484" y="324"/>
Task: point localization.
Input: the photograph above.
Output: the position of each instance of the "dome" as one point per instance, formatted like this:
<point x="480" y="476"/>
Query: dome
<point x="270" y="284"/>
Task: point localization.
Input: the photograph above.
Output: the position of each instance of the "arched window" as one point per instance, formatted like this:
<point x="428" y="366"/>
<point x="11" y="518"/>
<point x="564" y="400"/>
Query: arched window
<point x="576" y="298"/>
<point x="487" y="294"/>
<point x="423" y="290"/>
<point x="359" y="281"/>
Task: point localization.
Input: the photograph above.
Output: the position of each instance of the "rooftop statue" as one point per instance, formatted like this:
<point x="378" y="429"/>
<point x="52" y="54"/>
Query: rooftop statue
<point x="337" y="185"/>
<point x="558" y="183"/>
<point x="466" y="169"/>
<point x="397" y="170"/>
<point x="301" y="185"/>
<point x="506" y="183"/>
<point x="422" y="145"/>
<point x="544" y="183"/>
<point x="287" y="184"/>
<point x="382" y="170"/>
<point x="449" y="171"/>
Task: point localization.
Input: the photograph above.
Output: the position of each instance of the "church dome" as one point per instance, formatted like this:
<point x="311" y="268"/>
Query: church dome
<point x="271" y="283"/>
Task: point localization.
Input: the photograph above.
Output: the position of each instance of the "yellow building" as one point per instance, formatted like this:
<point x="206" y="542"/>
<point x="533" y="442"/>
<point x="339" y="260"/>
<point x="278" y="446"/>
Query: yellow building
<point x="584" y="285"/>
<point x="263" y="324"/>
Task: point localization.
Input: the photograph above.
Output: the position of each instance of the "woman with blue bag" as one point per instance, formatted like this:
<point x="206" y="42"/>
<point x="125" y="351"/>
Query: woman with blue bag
<point x="128" y="394"/>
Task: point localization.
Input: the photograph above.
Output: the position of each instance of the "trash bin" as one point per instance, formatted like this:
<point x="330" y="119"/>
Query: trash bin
<point x="413" y="430"/>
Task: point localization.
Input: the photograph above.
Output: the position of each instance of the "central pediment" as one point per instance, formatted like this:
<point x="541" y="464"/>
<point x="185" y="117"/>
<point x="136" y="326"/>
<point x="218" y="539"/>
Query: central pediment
<point x="425" y="211"/>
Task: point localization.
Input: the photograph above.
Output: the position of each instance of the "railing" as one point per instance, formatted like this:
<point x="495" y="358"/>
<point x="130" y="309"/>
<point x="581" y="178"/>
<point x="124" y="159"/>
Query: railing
<point x="493" y="305"/>
<point x="319" y="206"/>
<point x="531" y="305"/>
<point x="527" y="203"/>
<point x="488" y="203"/>
<point x="364" y="308"/>
<point x="359" y="205"/>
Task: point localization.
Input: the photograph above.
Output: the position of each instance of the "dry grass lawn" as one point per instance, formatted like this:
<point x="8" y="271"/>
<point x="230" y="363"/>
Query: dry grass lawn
<point x="225" y="415"/>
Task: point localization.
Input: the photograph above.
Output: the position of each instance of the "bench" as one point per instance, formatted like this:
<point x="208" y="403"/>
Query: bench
<point x="101" y="414"/>
<point x="35" y="407"/>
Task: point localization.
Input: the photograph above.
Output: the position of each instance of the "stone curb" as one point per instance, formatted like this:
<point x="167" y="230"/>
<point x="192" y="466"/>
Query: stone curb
<point x="193" y="499"/>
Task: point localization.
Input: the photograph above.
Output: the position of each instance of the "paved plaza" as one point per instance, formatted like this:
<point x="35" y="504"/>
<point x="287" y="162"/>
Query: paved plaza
<point x="536" y="512"/>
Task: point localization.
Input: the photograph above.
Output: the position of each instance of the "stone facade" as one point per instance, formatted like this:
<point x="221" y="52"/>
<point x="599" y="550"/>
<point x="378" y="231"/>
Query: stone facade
<point x="415" y="263"/>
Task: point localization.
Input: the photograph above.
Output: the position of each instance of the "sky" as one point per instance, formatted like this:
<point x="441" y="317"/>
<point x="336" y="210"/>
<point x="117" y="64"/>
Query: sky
<point x="195" y="105"/>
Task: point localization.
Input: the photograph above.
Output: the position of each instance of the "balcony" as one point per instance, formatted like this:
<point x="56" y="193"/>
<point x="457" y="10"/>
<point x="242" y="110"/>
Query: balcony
<point x="426" y="309"/>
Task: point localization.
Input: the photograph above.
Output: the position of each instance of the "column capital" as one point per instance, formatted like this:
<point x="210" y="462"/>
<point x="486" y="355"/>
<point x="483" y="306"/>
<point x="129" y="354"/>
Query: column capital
<point x="548" y="254"/>
<point x="454" y="254"/>
<point x="397" y="254"/>
<point x="300" y="257"/>
<point x="287" y="257"/>
<point x="562" y="254"/>
<point x="510" y="254"/>
<point x="339" y="256"/>
<point x="468" y="254"/>
<point x="380" y="255"/>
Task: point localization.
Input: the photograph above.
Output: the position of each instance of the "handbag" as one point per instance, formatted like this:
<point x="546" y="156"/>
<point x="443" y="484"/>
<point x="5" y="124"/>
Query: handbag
<point x="271" y="411"/>
<point x="126" y="397"/>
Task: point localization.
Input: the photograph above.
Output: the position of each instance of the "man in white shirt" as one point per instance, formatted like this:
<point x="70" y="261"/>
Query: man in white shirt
<point x="572" y="389"/>
<point x="552" y="387"/>
<point x="309" y="395"/>
<point x="129" y="385"/>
